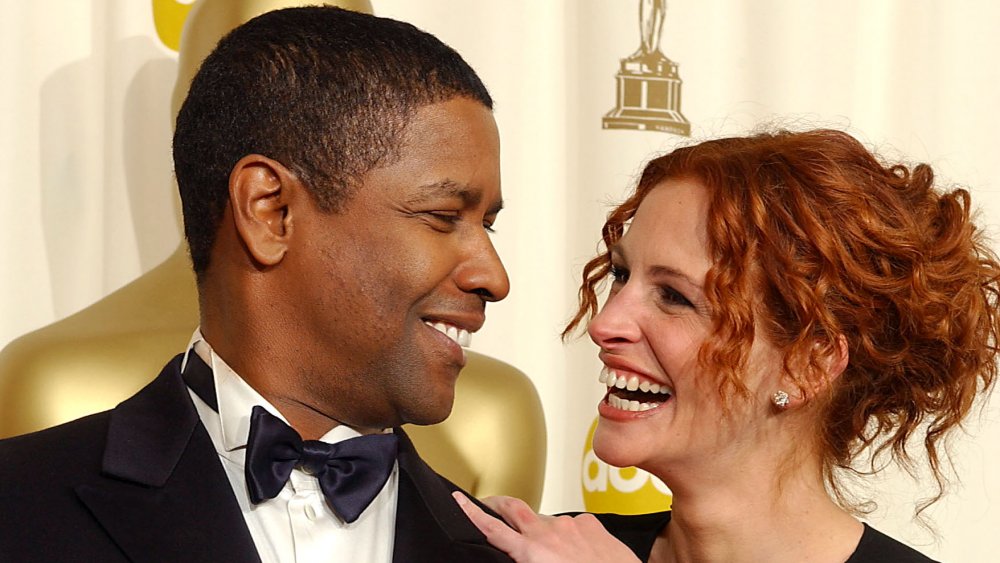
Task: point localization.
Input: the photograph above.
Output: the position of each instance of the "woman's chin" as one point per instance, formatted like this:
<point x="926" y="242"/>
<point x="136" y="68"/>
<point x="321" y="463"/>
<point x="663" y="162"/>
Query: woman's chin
<point x="615" y="450"/>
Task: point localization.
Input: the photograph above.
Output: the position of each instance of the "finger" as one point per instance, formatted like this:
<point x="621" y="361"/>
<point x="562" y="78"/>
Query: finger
<point x="499" y="534"/>
<point x="588" y="522"/>
<point x="515" y="511"/>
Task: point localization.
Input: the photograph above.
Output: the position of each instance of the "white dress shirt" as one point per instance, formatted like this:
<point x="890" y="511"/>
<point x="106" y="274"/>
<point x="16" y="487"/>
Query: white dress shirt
<point x="297" y="525"/>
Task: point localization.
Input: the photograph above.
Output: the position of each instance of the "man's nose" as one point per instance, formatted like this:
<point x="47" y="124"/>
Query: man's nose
<point x="483" y="273"/>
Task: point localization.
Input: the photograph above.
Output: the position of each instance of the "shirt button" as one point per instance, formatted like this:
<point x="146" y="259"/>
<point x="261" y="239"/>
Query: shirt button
<point x="310" y="512"/>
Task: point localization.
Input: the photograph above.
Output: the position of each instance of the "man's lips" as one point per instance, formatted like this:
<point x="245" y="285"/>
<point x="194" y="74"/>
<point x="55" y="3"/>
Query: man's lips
<point x="456" y="325"/>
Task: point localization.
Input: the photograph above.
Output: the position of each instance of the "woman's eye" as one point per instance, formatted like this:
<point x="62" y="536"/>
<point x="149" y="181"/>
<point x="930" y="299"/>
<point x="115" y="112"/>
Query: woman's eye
<point x="671" y="296"/>
<point x="618" y="274"/>
<point x="488" y="227"/>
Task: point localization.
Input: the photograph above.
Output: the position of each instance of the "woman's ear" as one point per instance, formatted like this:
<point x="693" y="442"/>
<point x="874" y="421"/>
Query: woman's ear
<point x="834" y="361"/>
<point x="260" y="190"/>
<point x="826" y="362"/>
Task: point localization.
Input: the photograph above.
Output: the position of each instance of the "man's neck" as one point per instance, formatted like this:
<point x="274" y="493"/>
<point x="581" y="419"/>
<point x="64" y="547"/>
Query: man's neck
<point x="310" y="423"/>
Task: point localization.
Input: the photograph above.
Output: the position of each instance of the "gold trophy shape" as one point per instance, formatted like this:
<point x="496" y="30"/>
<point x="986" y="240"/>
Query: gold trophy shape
<point x="649" y="86"/>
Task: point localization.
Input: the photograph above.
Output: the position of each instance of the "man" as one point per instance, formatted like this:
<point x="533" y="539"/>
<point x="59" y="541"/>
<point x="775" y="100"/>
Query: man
<point x="339" y="176"/>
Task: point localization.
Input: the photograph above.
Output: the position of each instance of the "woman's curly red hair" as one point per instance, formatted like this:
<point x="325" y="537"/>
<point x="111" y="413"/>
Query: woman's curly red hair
<point x="814" y="239"/>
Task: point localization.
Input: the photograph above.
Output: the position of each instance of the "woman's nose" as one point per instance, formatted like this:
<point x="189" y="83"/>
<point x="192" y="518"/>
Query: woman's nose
<point x="615" y="324"/>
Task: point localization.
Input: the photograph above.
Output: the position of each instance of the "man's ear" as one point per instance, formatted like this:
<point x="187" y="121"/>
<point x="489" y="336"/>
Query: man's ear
<point x="260" y="190"/>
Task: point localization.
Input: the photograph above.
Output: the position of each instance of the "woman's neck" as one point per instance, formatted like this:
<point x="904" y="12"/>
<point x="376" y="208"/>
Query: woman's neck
<point x="750" y="514"/>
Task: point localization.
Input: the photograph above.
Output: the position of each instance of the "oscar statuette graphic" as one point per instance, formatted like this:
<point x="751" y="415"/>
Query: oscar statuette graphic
<point x="648" y="84"/>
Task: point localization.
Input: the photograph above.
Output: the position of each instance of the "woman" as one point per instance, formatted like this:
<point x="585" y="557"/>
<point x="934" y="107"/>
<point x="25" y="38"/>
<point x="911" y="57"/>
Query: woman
<point x="780" y="304"/>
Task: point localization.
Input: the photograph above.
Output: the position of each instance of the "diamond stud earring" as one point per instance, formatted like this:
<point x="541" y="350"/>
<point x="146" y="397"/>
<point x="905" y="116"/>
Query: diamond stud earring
<point x="780" y="399"/>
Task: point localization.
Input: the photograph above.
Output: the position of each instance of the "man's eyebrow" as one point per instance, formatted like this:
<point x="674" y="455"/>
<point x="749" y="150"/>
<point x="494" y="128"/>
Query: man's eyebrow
<point x="450" y="188"/>
<point x="444" y="188"/>
<point x="495" y="208"/>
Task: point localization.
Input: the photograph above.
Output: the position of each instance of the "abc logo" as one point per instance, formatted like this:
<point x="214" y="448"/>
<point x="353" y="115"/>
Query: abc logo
<point x="625" y="490"/>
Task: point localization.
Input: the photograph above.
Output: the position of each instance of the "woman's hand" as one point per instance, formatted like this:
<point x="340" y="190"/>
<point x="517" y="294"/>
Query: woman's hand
<point x="531" y="538"/>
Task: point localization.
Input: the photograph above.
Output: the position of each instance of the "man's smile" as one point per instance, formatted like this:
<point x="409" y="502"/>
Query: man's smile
<point x="458" y="335"/>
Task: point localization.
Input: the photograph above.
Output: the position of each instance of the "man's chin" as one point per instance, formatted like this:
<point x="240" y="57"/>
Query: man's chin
<point x="431" y="413"/>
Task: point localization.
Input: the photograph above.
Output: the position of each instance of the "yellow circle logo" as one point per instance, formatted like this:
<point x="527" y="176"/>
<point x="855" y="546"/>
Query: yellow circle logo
<point x="624" y="490"/>
<point x="168" y="17"/>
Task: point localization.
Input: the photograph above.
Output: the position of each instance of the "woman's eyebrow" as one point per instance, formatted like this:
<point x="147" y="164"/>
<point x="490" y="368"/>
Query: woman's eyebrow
<point x="616" y="252"/>
<point x="663" y="271"/>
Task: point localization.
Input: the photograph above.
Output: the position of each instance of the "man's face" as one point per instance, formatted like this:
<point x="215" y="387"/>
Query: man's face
<point x="378" y="285"/>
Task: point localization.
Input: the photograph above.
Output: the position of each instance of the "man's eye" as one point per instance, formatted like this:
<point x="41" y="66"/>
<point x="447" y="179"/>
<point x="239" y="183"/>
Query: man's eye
<point x="447" y="216"/>
<point x="443" y="220"/>
<point x="488" y="227"/>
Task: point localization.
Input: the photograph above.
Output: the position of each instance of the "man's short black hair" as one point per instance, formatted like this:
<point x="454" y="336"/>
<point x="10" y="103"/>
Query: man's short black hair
<point x="327" y="92"/>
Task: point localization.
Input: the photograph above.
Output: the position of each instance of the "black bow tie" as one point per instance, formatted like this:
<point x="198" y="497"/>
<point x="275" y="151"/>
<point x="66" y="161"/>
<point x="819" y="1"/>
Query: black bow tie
<point x="351" y="473"/>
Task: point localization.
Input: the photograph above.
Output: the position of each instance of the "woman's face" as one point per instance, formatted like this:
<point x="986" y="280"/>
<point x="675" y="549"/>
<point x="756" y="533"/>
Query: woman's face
<point x="650" y="330"/>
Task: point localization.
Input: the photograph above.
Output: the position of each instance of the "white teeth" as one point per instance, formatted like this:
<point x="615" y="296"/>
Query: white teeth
<point x="631" y="406"/>
<point x="661" y="389"/>
<point x="616" y="381"/>
<point x="460" y="336"/>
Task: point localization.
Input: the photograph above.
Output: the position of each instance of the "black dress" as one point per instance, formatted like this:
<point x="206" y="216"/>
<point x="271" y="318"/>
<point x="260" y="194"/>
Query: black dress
<point x="639" y="531"/>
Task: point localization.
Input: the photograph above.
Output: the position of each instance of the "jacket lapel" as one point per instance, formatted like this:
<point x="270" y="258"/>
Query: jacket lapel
<point x="429" y="524"/>
<point x="164" y="495"/>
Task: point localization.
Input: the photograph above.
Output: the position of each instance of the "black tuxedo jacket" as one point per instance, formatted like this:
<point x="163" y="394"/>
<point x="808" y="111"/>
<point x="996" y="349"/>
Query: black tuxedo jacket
<point x="143" y="482"/>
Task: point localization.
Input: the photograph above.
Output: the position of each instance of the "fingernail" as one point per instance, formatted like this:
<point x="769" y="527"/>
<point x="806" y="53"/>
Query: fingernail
<point x="460" y="498"/>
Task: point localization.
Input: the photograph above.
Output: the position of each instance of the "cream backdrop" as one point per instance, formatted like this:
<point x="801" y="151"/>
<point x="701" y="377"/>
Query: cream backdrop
<point x="88" y="203"/>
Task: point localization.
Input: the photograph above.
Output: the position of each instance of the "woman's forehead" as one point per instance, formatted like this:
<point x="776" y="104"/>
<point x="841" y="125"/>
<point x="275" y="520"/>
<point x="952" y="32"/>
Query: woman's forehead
<point x="669" y="230"/>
